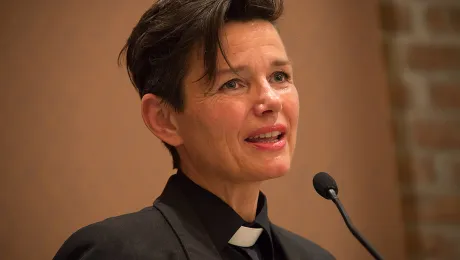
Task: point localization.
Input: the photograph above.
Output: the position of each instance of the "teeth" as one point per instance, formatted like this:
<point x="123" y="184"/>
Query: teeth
<point x="267" y="135"/>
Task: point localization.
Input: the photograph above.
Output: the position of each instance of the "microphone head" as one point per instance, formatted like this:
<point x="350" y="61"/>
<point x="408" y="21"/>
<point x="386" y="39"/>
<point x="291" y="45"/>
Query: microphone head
<point x="323" y="182"/>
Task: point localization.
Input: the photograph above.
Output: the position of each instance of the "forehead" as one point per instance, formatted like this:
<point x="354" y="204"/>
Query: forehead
<point x="238" y="39"/>
<point x="242" y="40"/>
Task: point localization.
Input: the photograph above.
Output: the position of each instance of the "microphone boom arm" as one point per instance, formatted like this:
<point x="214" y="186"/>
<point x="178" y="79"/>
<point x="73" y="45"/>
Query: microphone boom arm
<point x="350" y="226"/>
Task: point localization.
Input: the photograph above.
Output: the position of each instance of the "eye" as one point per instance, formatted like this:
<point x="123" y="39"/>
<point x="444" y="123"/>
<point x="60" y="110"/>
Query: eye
<point x="280" y="77"/>
<point x="230" y="85"/>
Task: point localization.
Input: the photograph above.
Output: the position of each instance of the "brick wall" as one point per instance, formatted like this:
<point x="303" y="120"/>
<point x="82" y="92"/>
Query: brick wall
<point x="422" y="50"/>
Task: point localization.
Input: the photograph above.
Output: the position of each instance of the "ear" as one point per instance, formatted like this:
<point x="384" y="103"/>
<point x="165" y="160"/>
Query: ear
<point x="160" y="120"/>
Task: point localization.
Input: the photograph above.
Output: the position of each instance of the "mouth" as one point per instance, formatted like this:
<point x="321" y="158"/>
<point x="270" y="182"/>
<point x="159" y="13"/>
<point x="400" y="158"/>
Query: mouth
<point x="270" y="137"/>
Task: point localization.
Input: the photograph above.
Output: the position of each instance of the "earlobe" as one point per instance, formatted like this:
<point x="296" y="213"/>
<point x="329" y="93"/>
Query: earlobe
<point x="160" y="120"/>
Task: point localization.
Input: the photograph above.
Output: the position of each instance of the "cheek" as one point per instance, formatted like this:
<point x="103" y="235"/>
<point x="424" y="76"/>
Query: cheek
<point x="228" y="115"/>
<point x="291" y="107"/>
<point x="291" y="111"/>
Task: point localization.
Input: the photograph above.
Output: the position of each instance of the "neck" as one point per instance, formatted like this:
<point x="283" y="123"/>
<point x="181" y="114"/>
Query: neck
<point x="241" y="197"/>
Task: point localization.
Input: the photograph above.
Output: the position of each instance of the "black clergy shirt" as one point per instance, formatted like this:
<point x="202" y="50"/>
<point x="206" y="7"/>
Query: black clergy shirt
<point x="221" y="222"/>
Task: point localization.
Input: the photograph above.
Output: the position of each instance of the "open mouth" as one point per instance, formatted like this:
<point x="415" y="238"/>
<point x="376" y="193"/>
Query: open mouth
<point x="271" y="137"/>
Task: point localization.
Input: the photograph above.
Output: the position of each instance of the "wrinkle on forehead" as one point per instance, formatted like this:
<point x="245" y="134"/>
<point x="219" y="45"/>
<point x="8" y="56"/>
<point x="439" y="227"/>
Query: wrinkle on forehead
<point x="242" y="39"/>
<point x="234" y="36"/>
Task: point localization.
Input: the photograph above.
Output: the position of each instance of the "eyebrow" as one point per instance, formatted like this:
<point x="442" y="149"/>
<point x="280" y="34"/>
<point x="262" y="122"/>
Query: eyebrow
<point x="275" y="63"/>
<point x="280" y="63"/>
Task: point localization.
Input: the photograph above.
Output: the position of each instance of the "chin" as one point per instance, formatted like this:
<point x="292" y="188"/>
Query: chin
<point x="268" y="167"/>
<point x="274" y="170"/>
<point x="278" y="171"/>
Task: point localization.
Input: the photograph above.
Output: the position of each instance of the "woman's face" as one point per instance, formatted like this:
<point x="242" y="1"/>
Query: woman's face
<point x="242" y="128"/>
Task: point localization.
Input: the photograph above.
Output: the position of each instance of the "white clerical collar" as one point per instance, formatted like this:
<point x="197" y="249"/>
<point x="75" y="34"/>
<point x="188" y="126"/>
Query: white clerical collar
<point x="245" y="236"/>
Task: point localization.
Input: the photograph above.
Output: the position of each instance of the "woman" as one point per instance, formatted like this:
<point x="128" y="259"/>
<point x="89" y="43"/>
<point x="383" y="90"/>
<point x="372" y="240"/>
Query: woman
<point x="217" y="88"/>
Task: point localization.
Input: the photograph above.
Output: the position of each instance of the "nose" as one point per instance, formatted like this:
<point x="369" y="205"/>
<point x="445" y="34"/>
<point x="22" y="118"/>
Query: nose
<point x="269" y="101"/>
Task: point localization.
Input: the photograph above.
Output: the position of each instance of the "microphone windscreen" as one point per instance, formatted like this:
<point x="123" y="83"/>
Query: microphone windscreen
<point x="323" y="182"/>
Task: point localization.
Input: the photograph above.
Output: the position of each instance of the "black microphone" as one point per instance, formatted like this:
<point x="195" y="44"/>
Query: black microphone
<point x="326" y="187"/>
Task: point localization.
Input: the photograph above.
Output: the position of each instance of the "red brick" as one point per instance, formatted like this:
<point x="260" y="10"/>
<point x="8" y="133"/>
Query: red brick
<point x="455" y="173"/>
<point x="432" y="209"/>
<point x="437" y="19"/>
<point x="395" y="17"/>
<point x="416" y="170"/>
<point x="455" y="19"/>
<point x="433" y="57"/>
<point x="445" y="95"/>
<point x="442" y="19"/>
<point x="423" y="245"/>
<point x="437" y="134"/>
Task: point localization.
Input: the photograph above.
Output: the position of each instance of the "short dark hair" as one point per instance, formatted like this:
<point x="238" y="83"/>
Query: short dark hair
<point x="159" y="46"/>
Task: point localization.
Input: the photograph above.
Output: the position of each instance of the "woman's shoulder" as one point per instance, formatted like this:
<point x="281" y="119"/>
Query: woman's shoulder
<point x="120" y="237"/>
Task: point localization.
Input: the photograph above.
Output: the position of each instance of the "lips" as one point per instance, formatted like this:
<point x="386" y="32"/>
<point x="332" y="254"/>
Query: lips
<point x="266" y="138"/>
<point x="269" y="134"/>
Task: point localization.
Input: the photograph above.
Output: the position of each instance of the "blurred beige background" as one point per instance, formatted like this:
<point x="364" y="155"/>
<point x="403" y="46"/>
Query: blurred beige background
<point x="74" y="149"/>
